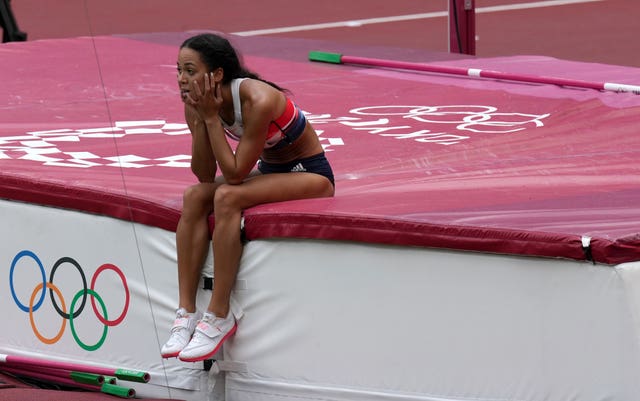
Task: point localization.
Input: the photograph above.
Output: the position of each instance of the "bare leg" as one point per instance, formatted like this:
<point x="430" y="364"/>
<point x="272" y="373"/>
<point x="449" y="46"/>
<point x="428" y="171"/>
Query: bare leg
<point x="192" y="241"/>
<point x="230" y="201"/>
<point x="227" y="249"/>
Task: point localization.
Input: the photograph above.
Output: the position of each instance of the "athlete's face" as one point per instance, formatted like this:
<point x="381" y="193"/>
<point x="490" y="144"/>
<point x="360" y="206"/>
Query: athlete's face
<point x="190" y="69"/>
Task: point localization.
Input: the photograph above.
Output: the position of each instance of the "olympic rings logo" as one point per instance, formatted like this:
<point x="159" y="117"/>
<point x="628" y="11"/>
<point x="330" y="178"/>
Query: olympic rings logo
<point x="475" y="118"/>
<point x="75" y="309"/>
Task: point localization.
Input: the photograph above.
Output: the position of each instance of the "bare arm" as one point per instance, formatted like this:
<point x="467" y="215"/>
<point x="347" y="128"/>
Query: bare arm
<point x="259" y="102"/>
<point x="203" y="161"/>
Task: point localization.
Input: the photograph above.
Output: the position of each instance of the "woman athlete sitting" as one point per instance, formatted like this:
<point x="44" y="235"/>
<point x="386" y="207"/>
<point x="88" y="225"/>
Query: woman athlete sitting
<point x="222" y="99"/>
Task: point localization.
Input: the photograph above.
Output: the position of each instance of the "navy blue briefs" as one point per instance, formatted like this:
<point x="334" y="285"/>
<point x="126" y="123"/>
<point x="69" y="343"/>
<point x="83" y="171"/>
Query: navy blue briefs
<point x="317" y="164"/>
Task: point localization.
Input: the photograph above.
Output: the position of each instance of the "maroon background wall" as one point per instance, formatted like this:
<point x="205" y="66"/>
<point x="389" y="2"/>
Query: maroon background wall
<point x="596" y="31"/>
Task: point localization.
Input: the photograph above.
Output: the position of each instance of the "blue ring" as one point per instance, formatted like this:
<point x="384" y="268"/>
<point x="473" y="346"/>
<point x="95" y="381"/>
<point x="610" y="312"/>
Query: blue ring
<point x="44" y="280"/>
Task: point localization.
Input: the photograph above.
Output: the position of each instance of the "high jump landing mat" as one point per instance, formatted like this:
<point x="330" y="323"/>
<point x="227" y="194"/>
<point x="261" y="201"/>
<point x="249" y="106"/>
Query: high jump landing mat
<point x="483" y="231"/>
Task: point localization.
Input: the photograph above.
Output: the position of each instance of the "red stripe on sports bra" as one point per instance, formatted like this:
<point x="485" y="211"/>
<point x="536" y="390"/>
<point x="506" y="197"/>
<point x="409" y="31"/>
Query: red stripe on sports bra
<point x="286" y="118"/>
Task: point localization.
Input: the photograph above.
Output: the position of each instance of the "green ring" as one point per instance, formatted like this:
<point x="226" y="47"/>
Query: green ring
<point x="73" y="330"/>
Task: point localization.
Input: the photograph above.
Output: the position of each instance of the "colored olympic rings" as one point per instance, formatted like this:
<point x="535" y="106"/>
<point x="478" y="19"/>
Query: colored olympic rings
<point x="75" y="309"/>
<point x="33" y="323"/>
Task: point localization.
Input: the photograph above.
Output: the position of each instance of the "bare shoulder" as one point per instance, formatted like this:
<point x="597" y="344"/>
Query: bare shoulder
<point x="261" y="98"/>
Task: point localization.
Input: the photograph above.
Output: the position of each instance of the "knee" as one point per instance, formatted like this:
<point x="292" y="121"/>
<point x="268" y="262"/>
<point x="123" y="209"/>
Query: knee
<point x="226" y="201"/>
<point x="197" y="200"/>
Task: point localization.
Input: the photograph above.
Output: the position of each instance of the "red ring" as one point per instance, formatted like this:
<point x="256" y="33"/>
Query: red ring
<point x="109" y="266"/>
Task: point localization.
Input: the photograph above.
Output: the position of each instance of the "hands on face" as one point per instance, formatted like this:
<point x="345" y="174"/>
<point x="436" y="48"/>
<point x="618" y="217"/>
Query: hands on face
<point x="207" y="100"/>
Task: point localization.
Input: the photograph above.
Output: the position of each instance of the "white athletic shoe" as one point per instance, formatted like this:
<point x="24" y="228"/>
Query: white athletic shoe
<point x="181" y="332"/>
<point x="210" y="333"/>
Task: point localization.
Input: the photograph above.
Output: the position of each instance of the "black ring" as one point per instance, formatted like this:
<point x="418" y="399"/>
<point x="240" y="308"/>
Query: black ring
<point x="60" y="261"/>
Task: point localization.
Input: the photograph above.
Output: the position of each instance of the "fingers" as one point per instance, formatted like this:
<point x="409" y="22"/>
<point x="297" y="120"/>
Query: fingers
<point x="217" y="91"/>
<point x="206" y="97"/>
<point x="208" y="89"/>
<point x="214" y="87"/>
<point x="190" y="100"/>
<point x="208" y="78"/>
<point x="196" y="90"/>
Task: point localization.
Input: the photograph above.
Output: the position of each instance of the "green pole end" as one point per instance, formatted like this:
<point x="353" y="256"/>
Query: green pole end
<point x="123" y="392"/>
<point x="110" y="379"/>
<point x="132" y="375"/>
<point x="333" y="58"/>
<point x="87" y="378"/>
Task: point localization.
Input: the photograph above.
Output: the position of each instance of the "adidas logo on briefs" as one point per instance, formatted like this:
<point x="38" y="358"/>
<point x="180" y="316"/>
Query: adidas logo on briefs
<point x="298" y="167"/>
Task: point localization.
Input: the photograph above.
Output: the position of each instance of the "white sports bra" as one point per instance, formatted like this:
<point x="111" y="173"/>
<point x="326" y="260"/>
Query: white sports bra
<point x="290" y="125"/>
<point x="237" y="128"/>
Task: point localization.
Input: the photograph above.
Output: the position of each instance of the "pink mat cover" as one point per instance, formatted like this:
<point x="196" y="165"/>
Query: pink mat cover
<point x="420" y="159"/>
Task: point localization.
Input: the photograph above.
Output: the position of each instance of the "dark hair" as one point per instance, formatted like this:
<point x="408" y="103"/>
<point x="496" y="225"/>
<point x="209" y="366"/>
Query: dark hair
<point x="217" y="52"/>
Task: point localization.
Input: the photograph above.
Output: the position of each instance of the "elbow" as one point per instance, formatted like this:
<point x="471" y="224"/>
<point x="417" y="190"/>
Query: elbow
<point x="203" y="174"/>
<point x="234" y="180"/>
<point x="204" y="177"/>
